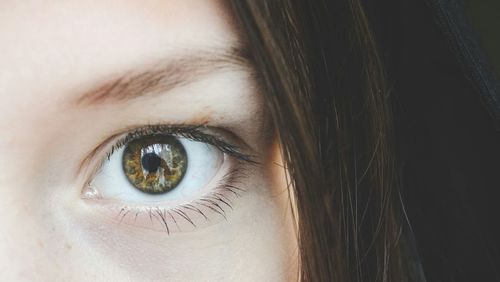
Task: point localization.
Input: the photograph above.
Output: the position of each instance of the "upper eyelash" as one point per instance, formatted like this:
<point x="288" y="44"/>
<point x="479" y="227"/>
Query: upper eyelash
<point x="191" y="132"/>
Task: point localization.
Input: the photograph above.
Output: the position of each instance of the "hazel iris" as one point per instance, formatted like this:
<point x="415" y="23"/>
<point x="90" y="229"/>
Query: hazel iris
<point x="154" y="164"/>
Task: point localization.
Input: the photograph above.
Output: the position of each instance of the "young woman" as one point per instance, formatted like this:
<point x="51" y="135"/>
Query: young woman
<point x="211" y="140"/>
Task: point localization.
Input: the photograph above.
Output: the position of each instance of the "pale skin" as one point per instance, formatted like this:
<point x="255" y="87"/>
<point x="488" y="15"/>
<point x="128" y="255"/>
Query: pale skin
<point x="55" y="56"/>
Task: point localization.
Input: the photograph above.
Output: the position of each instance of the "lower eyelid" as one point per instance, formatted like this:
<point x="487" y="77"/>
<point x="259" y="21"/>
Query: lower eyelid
<point x="211" y="208"/>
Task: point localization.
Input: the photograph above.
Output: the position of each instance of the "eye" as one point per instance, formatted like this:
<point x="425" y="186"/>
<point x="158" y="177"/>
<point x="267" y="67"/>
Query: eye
<point x="159" y="169"/>
<point x="169" y="172"/>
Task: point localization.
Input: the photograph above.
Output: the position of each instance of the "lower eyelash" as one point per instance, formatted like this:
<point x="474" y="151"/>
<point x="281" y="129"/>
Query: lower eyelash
<point x="217" y="201"/>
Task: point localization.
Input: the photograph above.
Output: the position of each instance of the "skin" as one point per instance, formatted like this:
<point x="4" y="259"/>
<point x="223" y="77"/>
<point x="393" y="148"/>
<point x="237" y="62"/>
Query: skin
<point x="52" y="53"/>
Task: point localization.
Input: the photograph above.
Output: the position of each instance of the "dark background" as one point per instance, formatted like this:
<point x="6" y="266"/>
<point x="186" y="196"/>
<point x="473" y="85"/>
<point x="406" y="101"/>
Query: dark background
<point x="446" y="105"/>
<point x="484" y="17"/>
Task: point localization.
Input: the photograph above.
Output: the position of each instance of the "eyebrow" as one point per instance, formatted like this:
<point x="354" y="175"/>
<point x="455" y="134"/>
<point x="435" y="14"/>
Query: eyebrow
<point x="164" y="76"/>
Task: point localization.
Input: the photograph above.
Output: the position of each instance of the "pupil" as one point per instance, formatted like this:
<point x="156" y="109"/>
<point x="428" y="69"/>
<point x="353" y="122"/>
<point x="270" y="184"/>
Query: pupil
<point x="151" y="162"/>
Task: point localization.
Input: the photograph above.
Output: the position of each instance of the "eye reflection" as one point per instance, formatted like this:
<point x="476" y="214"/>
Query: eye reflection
<point x="155" y="164"/>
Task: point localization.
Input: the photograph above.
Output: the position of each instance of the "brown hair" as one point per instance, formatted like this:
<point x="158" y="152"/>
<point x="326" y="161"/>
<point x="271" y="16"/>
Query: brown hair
<point x="324" y="84"/>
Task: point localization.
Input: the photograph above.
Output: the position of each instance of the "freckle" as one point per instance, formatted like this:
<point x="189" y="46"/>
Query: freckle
<point x="40" y="244"/>
<point x="68" y="247"/>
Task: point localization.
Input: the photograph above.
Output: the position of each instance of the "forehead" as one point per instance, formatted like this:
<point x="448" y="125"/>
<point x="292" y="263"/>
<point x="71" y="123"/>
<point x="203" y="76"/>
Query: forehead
<point x="52" y="49"/>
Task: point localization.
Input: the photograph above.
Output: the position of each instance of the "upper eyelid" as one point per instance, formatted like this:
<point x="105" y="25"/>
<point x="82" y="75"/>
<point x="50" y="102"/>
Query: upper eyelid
<point x="193" y="132"/>
<point x="92" y="156"/>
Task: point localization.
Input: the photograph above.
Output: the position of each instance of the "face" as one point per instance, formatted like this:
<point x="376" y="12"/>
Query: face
<point x="135" y="145"/>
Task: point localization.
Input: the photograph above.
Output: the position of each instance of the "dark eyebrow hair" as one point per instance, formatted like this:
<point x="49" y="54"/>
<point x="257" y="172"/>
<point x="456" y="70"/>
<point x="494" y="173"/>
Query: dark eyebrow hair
<point x="164" y="76"/>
